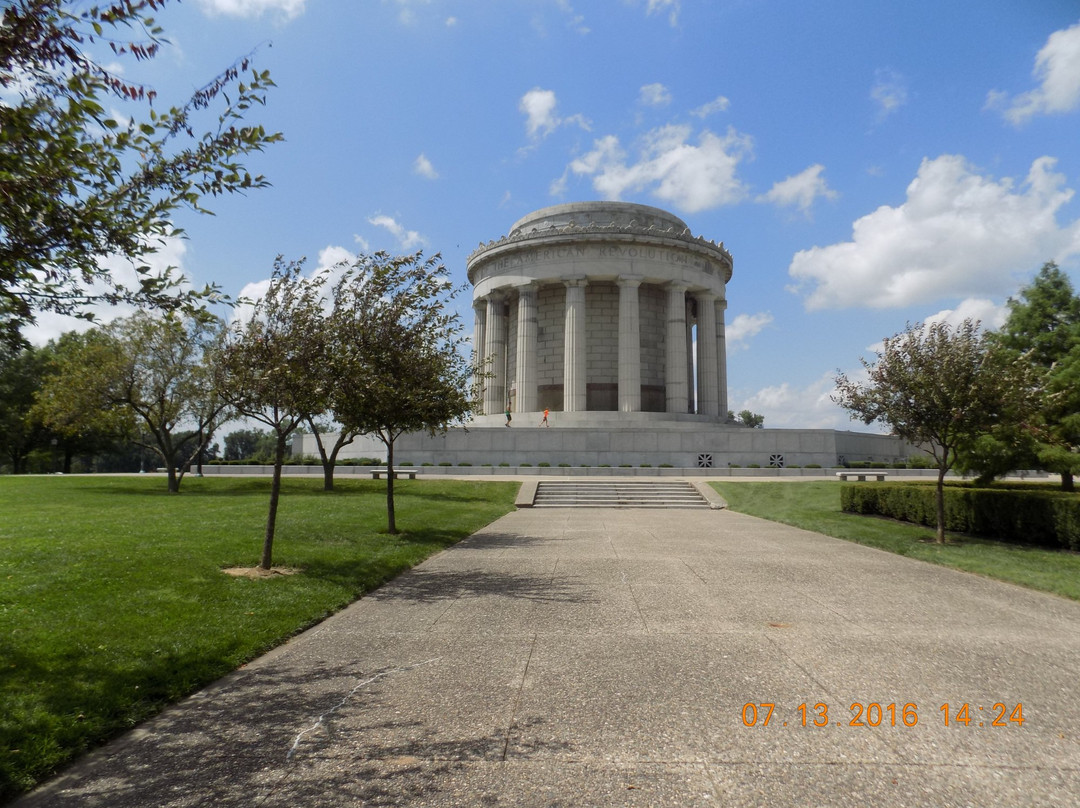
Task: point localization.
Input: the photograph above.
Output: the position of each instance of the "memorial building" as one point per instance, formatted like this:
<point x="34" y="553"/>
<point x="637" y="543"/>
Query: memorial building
<point x="611" y="316"/>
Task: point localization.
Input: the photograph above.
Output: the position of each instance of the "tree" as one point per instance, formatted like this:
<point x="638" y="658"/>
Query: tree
<point x="269" y="366"/>
<point x="397" y="354"/>
<point x="751" y="419"/>
<point x="153" y="370"/>
<point x="1043" y="327"/>
<point x="242" y="444"/>
<point x="328" y="453"/>
<point x="21" y="370"/>
<point x="940" y="388"/>
<point x="78" y="183"/>
<point x="72" y="432"/>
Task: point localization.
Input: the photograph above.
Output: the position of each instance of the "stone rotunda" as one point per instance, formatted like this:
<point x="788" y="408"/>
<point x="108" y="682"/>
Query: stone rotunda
<point x="611" y="315"/>
<point x="596" y="307"/>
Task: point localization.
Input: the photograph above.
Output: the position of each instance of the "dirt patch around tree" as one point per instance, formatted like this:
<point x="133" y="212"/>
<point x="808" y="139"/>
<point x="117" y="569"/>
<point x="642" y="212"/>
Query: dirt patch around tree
<point x="259" y="572"/>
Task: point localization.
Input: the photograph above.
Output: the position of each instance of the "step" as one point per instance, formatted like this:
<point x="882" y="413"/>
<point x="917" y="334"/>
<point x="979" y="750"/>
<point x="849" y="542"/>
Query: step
<point x="617" y="494"/>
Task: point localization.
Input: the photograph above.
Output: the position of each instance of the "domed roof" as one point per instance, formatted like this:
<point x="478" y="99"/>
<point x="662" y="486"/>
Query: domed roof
<point x="602" y="214"/>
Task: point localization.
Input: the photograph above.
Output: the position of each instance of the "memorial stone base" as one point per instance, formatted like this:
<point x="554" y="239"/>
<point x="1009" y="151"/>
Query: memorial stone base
<point x="581" y="439"/>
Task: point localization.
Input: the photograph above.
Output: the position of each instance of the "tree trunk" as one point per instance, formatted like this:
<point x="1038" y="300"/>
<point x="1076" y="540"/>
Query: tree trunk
<point x="941" y="506"/>
<point x="1067" y="483"/>
<point x="391" y="523"/>
<point x="174" y="481"/>
<point x="327" y="460"/>
<point x="68" y="453"/>
<point x="275" y="492"/>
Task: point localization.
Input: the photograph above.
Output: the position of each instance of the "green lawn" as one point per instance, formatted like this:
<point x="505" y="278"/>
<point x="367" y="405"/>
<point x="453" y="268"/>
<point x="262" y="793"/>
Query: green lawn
<point x="816" y="506"/>
<point x="113" y="602"/>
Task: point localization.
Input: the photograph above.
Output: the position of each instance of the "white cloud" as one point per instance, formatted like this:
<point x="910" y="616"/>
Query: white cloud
<point x="286" y="9"/>
<point x="361" y="242"/>
<point x="50" y="326"/>
<point x="451" y="22"/>
<point x="718" y="104"/>
<point x="575" y="21"/>
<point x="989" y="314"/>
<point x="889" y="92"/>
<point x="654" y="95"/>
<point x="691" y="177"/>
<point x="744" y="326"/>
<point x="541" y="118"/>
<point x="660" y="6"/>
<point x="408" y="239"/>
<point x="809" y="407"/>
<point x="992" y="315"/>
<point x="424" y="168"/>
<point x="958" y="234"/>
<point x="800" y="190"/>
<point x="1057" y="69"/>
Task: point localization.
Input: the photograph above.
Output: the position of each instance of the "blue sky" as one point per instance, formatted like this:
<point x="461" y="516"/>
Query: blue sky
<point x="867" y="163"/>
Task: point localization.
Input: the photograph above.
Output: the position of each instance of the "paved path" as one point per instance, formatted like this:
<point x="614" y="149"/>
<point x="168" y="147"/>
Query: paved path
<point x="604" y="657"/>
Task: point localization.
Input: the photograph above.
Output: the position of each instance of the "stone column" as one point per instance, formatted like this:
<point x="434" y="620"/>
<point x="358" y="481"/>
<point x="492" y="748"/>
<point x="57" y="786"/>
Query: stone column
<point x="707" y="362"/>
<point x="629" y="344"/>
<point x="479" y="328"/>
<point x="574" y="356"/>
<point x="721" y="358"/>
<point x="691" y="378"/>
<point x="495" y="353"/>
<point x="675" y="359"/>
<point x="526" y="349"/>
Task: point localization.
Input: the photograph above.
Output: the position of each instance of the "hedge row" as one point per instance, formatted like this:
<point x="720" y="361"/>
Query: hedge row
<point x="1039" y="518"/>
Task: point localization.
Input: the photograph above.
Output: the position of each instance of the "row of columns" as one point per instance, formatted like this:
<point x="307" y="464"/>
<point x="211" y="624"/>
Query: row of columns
<point x="490" y="332"/>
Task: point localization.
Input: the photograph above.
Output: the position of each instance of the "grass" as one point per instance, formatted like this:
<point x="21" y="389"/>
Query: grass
<point x="113" y="602"/>
<point x="816" y="506"/>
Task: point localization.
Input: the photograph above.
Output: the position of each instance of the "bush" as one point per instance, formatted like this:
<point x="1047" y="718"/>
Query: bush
<point x="427" y="464"/>
<point x="526" y="465"/>
<point x="646" y="465"/>
<point x="464" y="464"/>
<point x="564" y="465"/>
<point x="503" y="465"/>
<point x="445" y="463"/>
<point x="1019" y="516"/>
<point x="752" y="465"/>
<point x="544" y="465"/>
<point x="812" y="466"/>
<point x="665" y="466"/>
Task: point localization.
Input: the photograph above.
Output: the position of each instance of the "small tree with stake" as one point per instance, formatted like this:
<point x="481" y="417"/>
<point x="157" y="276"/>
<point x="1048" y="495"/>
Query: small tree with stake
<point x="940" y="388"/>
<point x="397" y="362"/>
<point x="268" y="366"/>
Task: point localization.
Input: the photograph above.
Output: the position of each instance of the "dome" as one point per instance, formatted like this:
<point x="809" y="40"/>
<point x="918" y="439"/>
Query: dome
<point x="597" y="214"/>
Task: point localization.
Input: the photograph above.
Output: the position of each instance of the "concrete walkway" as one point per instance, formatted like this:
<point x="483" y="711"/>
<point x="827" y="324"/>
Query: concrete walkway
<point x="604" y="658"/>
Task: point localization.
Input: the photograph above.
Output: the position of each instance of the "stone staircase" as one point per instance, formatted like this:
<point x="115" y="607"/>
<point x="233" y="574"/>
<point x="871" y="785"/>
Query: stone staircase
<point x="617" y="494"/>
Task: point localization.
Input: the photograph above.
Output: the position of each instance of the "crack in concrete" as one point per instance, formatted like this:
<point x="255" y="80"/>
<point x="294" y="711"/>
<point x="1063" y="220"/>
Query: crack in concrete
<point x="322" y="718"/>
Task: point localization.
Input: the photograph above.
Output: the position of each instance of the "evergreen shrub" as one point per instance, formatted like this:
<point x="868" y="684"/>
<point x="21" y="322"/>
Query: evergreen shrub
<point x="1037" y="518"/>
